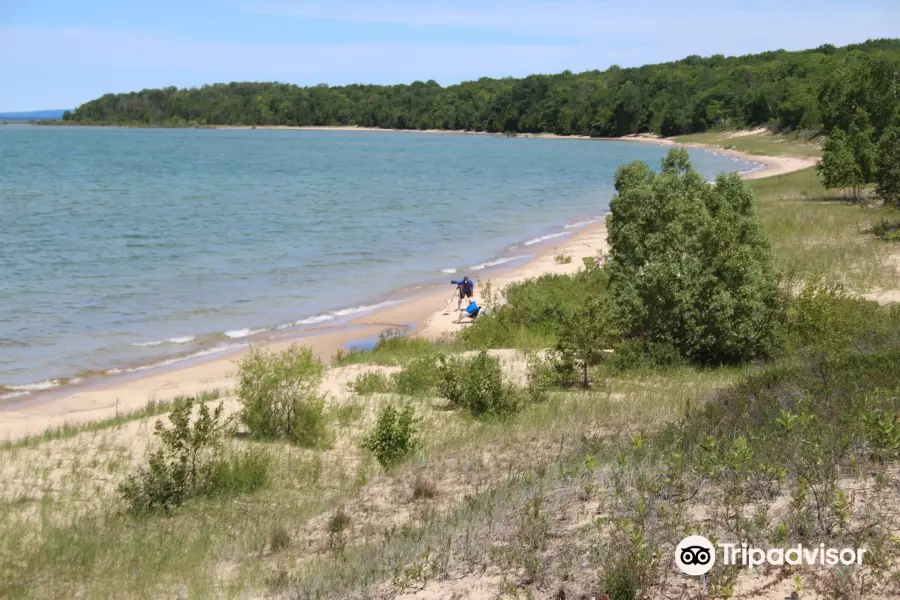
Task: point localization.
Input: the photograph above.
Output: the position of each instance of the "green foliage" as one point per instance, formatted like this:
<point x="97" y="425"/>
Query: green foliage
<point x="534" y="311"/>
<point x="585" y="334"/>
<point x="691" y="266"/>
<point x="476" y="385"/>
<point x="692" y="94"/>
<point x="279" y="392"/>
<point x="393" y="348"/>
<point x="189" y="462"/>
<point x="888" y="171"/>
<point x="371" y="382"/>
<point x="838" y="167"/>
<point x="418" y="377"/>
<point x="637" y="354"/>
<point x="888" y="231"/>
<point x="394" y="436"/>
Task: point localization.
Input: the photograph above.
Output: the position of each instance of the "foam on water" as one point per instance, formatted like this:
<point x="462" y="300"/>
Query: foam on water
<point x="242" y="333"/>
<point x="176" y="340"/>
<point x="36" y="387"/>
<point x="494" y="263"/>
<point x="578" y="224"/>
<point x="549" y="236"/>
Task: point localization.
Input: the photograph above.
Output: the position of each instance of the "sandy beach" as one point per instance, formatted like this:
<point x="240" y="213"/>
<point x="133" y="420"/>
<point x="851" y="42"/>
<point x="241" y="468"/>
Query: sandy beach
<point x="425" y="313"/>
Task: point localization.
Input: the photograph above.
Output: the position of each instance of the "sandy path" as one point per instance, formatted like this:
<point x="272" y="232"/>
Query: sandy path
<point x="108" y="397"/>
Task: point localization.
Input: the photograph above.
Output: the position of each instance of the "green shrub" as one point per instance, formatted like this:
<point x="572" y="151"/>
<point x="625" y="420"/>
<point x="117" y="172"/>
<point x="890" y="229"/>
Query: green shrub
<point x="534" y="311"/>
<point x="189" y="462"/>
<point x="372" y="382"/>
<point x="394" y="436"/>
<point x="418" y="377"/>
<point x="691" y="266"/>
<point x="635" y="354"/>
<point x="394" y="347"/>
<point x="887" y="231"/>
<point x="584" y="335"/>
<point x="476" y="385"/>
<point x="279" y="392"/>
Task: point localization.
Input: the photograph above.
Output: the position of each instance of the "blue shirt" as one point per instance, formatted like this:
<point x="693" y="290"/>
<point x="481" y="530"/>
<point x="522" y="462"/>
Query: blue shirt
<point x="472" y="307"/>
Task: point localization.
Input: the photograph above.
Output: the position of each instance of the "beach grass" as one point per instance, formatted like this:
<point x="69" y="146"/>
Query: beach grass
<point x="800" y="143"/>
<point x="814" y="230"/>
<point x="66" y="431"/>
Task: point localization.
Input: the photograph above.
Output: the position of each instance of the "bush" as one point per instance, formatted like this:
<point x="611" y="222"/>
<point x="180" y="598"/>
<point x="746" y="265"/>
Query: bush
<point x="584" y="336"/>
<point x="638" y="354"/>
<point x="372" y="382"/>
<point x="691" y="266"/>
<point x="418" y="377"/>
<point x="280" y="396"/>
<point x="190" y="462"/>
<point x="476" y="385"/>
<point x="886" y="230"/>
<point x="394" y="436"/>
<point x="534" y="311"/>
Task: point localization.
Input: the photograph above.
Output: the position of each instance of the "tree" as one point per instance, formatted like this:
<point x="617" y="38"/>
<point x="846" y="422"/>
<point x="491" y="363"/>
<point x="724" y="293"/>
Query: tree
<point x="862" y="144"/>
<point x="684" y="96"/>
<point x="690" y="264"/>
<point x="888" y="173"/>
<point x="585" y="335"/>
<point x="838" y="167"/>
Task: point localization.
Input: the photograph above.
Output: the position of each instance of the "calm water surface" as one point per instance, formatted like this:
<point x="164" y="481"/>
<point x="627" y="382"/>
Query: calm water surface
<point x="124" y="247"/>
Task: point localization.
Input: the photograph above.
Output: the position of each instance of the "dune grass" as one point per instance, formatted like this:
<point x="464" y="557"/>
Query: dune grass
<point x="814" y="230"/>
<point x="806" y="144"/>
<point x="66" y="431"/>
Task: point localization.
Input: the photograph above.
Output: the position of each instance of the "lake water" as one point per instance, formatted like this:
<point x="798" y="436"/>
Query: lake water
<point x="125" y="247"/>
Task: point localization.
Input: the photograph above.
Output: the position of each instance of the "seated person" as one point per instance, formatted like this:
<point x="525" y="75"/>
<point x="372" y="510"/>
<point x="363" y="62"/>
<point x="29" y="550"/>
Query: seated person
<point x="471" y="311"/>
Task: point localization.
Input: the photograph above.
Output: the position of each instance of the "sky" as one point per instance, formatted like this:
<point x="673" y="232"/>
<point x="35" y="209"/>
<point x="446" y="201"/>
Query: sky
<point x="58" y="53"/>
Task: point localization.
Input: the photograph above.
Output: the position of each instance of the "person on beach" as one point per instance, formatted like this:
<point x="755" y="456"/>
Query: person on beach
<point x="471" y="311"/>
<point x="466" y="289"/>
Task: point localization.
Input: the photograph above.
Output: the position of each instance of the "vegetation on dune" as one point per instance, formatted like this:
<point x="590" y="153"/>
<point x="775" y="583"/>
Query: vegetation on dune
<point x="280" y="396"/>
<point x="690" y="265"/>
<point x="693" y="94"/>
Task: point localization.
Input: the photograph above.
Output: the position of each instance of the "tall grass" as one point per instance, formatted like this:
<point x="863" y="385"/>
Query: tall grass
<point x="814" y="230"/>
<point x="153" y="408"/>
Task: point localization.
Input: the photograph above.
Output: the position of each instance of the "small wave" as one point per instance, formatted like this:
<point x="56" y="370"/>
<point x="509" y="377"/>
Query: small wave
<point x="11" y="395"/>
<point x="549" y="236"/>
<point x="315" y="319"/>
<point x="448" y="271"/>
<point x="578" y="224"/>
<point x="358" y="309"/>
<point x="174" y="340"/>
<point x="177" y="359"/>
<point x="494" y="263"/>
<point x="35" y="387"/>
<point x="242" y="333"/>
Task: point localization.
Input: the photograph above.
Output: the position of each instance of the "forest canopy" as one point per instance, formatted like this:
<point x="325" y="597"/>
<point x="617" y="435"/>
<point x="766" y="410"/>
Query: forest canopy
<point x="778" y="88"/>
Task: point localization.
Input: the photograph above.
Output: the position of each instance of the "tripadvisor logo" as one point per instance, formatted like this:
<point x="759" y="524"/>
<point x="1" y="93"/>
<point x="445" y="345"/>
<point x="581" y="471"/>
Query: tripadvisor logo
<point x="695" y="555"/>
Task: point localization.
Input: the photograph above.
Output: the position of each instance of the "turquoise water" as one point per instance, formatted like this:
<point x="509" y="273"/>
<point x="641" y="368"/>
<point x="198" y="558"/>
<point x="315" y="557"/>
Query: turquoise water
<point x="124" y="247"/>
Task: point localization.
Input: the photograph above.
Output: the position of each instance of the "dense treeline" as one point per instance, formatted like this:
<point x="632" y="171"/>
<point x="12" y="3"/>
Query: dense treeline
<point x="776" y="88"/>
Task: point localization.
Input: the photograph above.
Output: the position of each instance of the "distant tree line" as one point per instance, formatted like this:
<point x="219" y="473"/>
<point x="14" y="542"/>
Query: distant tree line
<point x="779" y="88"/>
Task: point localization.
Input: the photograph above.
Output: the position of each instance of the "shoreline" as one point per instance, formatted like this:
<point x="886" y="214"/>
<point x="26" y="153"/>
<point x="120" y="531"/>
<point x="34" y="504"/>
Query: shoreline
<point x="421" y="314"/>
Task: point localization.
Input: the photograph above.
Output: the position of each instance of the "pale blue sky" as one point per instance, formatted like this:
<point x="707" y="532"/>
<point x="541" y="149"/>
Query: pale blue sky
<point x="58" y="54"/>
